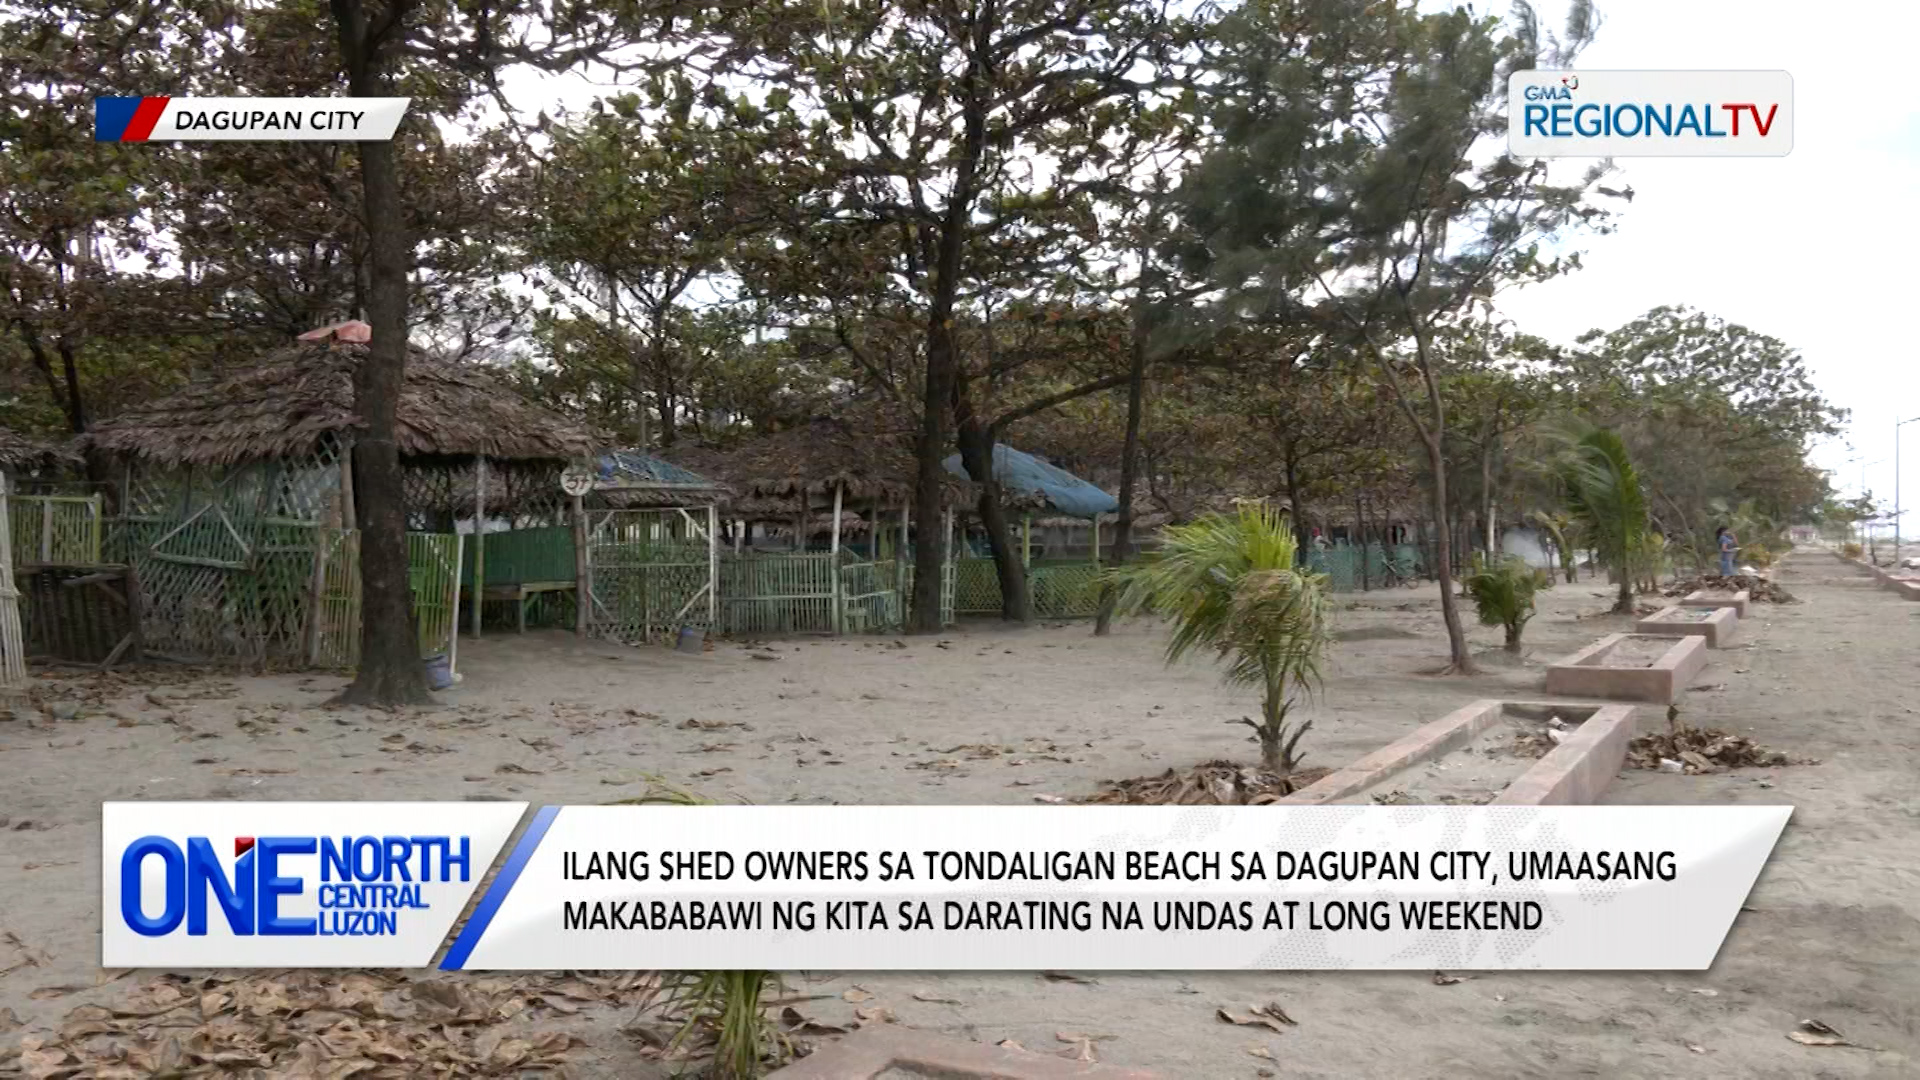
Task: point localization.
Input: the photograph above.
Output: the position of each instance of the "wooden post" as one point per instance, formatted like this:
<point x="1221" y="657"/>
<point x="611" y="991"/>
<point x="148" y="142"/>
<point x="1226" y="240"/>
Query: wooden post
<point x="946" y="566"/>
<point x="1026" y="541"/>
<point x="349" y="520"/>
<point x="479" y="538"/>
<point x="46" y="531"/>
<point x="833" y="562"/>
<point x="582" y="570"/>
<point x="713" y="568"/>
<point x="317" y="588"/>
<point x="453" y="632"/>
<point x="900" y="568"/>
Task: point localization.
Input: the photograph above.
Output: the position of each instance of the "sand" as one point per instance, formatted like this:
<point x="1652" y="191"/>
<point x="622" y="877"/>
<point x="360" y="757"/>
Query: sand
<point x="1637" y="651"/>
<point x="986" y="715"/>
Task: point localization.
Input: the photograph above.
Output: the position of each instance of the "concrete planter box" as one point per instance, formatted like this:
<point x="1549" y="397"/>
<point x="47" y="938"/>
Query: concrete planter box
<point x="1901" y="582"/>
<point x="1599" y="671"/>
<point x="1572" y="773"/>
<point x="1717" y="625"/>
<point x="905" y="1054"/>
<point x="1708" y="598"/>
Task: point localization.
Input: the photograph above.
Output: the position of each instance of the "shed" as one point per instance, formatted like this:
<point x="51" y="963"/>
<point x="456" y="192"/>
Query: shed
<point x="238" y="511"/>
<point x="857" y="466"/>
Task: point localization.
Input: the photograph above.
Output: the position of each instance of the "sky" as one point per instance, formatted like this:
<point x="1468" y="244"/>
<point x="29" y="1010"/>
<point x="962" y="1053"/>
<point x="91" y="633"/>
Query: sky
<point x="1816" y="248"/>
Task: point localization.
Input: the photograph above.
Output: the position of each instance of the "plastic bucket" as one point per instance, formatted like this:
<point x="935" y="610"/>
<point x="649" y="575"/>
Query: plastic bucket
<point x="439" y="673"/>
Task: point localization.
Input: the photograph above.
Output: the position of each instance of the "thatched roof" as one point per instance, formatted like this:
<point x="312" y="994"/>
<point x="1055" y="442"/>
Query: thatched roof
<point x="285" y="406"/>
<point x="806" y="462"/>
<point x="20" y="452"/>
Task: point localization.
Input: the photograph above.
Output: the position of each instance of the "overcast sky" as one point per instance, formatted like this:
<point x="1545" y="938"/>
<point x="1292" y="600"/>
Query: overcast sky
<point x="1810" y="248"/>
<point x="1814" y="248"/>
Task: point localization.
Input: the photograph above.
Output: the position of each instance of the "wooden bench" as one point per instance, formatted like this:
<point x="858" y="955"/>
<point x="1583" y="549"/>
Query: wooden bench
<point x="521" y="594"/>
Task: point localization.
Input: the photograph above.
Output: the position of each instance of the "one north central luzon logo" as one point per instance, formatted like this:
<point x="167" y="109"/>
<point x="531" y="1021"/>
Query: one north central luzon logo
<point x="1557" y="111"/>
<point x="366" y="883"/>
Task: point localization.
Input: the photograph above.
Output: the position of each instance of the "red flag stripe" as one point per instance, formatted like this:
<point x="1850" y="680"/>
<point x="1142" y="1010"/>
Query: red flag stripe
<point x="144" y="117"/>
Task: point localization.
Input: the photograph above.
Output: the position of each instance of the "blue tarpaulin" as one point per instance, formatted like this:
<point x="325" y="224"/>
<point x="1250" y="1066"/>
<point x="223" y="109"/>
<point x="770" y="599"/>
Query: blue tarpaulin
<point x="638" y="469"/>
<point x="1028" y="475"/>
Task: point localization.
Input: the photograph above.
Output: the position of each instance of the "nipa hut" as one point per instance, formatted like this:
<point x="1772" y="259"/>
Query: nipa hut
<point x="649" y="548"/>
<point x="27" y="531"/>
<point x="237" y="507"/>
<point x="819" y="526"/>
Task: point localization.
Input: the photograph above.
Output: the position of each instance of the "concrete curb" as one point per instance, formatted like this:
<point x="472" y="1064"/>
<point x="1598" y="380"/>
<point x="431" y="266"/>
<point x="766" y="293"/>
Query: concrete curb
<point x="1577" y="772"/>
<point x="1902" y="583"/>
<point x="876" y="1052"/>
<point x="1718" y="628"/>
<point x="1702" y="598"/>
<point x="1429" y="740"/>
<point x="1661" y="682"/>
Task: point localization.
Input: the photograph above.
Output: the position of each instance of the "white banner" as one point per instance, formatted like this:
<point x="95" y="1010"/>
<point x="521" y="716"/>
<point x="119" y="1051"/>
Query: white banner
<point x="287" y="884"/>
<point x="880" y="888"/>
<point x="174" y="119"/>
<point x="1650" y="113"/>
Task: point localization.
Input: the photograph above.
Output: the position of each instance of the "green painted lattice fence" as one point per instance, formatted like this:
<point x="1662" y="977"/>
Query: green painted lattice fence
<point x="1341" y="564"/>
<point x="432" y="562"/>
<point x="55" y="530"/>
<point x="652" y="572"/>
<point x="1060" y="589"/>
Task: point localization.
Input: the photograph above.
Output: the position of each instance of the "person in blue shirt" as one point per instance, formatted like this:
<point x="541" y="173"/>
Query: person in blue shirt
<point x="1723" y="538"/>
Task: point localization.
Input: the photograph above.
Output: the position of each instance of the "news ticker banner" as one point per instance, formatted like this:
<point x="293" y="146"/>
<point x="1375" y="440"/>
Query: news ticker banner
<point x="1650" y="113"/>
<point x="927" y="888"/>
<point x="175" y="119"/>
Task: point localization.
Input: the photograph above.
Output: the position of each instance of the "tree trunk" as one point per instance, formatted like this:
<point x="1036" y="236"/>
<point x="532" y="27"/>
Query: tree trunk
<point x="976" y="453"/>
<point x="1460" y="654"/>
<point x="1486" y="499"/>
<point x="1513" y="637"/>
<point x="1361" y="570"/>
<point x="390" y="669"/>
<point x="1129" y="456"/>
<point x="1295" y="511"/>
<point x="943" y="360"/>
<point x="1623" y="604"/>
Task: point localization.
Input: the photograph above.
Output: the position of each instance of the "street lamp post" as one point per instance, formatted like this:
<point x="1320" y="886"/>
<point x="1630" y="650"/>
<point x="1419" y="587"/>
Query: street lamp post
<point x="1866" y="535"/>
<point x="1896" y="486"/>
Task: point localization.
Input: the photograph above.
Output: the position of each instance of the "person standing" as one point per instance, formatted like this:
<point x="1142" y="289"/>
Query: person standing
<point x="1723" y="538"/>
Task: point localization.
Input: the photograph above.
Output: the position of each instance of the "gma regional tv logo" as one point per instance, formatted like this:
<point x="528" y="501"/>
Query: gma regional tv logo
<point x="176" y="119"/>
<point x="285" y="884"/>
<point x="1650" y="113"/>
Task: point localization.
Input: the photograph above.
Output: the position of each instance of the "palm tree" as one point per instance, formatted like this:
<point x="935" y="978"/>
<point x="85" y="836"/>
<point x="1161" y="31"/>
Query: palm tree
<point x="1604" y="494"/>
<point x="1565" y="534"/>
<point x="1229" y="583"/>
<point x="1502" y="593"/>
<point x="727" y="1007"/>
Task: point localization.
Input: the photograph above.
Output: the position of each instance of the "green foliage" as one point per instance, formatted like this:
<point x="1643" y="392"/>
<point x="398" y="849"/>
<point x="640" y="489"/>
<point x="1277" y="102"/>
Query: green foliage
<point x="1502" y="593"/>
<point x="1713" y="413"/>
<point x="730" y="1007"/>
<point x="726" y="1007"/>
<point x="1567" y="535"/>
<point x="1604" y="494"/>
<point x="1229" y="584"/>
